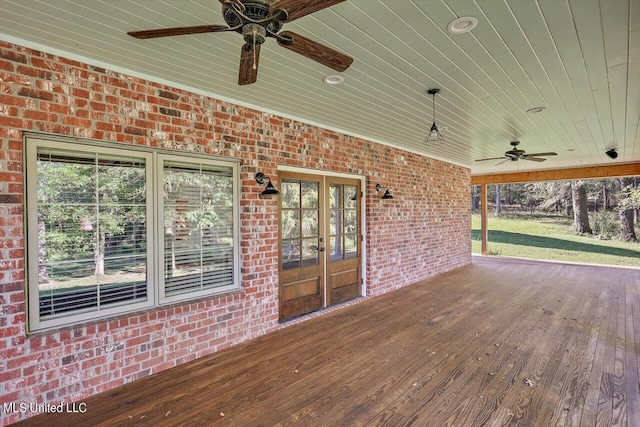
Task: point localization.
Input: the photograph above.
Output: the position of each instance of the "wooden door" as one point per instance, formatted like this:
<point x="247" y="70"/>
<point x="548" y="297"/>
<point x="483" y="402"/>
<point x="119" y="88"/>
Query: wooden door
<point x="344" y="275"/>
<point x="301" y="244"/>
<point x="320" y="242"/>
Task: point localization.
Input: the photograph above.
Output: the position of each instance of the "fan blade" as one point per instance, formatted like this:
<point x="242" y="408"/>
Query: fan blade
<point x="295" y="9"/>
<point x="492" y="158"/>
<point x="248" y="72"/>
<point x="177" y="31"/>
<point x="551" y="153"/>
<point x="315" y="51"/>
<point x="533" y="159"/>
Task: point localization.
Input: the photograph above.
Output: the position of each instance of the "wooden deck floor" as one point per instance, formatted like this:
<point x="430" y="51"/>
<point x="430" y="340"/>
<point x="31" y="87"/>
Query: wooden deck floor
<point x="456" y="350"/>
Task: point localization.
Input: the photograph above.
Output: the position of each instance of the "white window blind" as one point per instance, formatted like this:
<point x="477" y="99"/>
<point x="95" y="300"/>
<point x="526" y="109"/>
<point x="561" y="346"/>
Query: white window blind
<point x="198" y="228"/>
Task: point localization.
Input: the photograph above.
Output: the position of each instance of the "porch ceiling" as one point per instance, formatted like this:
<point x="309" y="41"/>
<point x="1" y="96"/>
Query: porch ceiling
<point x="580" y="59"/>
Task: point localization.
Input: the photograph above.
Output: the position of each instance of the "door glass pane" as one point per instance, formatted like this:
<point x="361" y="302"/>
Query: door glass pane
<point x="290" y="192"/>
<point x="291" y="254"/>
<point x="350" y="246"/>
<point x="290" y="224"/>
<point x="334" y="223"/>
<point x="350" y="221"/>
<point x="310" y="223"/>
<point x="335" y="248"/>
<point x="310" y="252"/>
<point x="309" y="195"/>
<point x="334" y="197"/>
<point x="350" y="196"/>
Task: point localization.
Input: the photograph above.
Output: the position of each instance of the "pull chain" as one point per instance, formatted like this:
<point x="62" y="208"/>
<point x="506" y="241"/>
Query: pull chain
<point x="255" y="66"/>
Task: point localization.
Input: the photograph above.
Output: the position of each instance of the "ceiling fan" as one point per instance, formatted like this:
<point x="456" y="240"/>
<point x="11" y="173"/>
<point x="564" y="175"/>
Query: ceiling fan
<point x="258" y="19"/>
<point x="516" y="154"/>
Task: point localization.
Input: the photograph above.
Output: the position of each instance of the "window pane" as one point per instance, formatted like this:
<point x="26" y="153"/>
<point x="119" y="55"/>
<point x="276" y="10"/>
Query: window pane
<point x="91" y="232"/>
<point x="350" y="246"/>
<point x="309" y="223"/>
<point x="334" y="222"/>
<point x="291" y="254"/>
<point x="350" y="221"/>
<point x="334" y="197"/>
<point x="198" y="227"/>
<point x="350" y="196"/>
<point x="309" y="195"/>
<point x="310" y="254"/>
<point x="335" y="248"/>
<point x="290" y="195"/>
<point x="290" y="224"/>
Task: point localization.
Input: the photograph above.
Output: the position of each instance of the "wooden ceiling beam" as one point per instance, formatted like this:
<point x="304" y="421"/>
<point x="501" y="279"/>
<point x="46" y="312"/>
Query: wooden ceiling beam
<point x="589" y="172"/>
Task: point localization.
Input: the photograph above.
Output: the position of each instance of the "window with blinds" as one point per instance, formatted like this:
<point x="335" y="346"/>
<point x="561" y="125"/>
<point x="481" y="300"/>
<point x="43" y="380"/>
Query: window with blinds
<point x="198" y="228"/>
<point x="103" y="223"/>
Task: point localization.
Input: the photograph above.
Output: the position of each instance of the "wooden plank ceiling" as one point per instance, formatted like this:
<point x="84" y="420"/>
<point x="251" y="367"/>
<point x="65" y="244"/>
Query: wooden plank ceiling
<point x="580" y="59"/>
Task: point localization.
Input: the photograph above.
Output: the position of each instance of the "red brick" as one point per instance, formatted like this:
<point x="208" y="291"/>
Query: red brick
<point x="107" y="107"/>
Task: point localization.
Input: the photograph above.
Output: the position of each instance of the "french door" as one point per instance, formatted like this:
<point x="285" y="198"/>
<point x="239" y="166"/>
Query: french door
<point x="319" y="242"/>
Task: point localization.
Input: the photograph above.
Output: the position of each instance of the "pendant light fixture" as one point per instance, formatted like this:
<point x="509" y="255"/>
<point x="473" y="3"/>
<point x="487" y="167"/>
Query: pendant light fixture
<point x="434" y="137"/>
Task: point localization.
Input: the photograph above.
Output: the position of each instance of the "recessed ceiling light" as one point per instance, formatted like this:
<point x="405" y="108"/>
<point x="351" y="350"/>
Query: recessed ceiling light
<point x="462" y="25"/>
<point x="333" y="80"/>
<point x="535" y="110"/>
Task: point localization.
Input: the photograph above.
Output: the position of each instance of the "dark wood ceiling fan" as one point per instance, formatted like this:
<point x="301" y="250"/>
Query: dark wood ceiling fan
<point x="258" y="19"/>
<point x="516" y="154"/>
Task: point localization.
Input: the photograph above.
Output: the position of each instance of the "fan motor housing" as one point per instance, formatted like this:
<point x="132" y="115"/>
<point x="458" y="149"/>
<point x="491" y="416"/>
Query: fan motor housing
<point x="256" y="10"/>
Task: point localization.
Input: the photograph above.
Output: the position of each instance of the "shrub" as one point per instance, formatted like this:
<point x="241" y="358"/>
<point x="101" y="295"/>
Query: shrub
<point x="605" y="224"/>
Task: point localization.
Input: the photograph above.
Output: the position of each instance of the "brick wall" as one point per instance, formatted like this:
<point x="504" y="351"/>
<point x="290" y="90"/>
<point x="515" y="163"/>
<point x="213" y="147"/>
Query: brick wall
<point x="422" y="232"/>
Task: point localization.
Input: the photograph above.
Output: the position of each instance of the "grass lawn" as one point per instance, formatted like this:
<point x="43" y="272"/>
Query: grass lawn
<point x="550" y="238"/>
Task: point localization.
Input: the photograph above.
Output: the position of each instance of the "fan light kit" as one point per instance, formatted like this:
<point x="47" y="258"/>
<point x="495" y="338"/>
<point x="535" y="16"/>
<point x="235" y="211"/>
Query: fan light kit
<point x="516" y="154"/>
<point x="462" y="25"/>
<point x="434" y="137"/>
<point x="257" y="20"/>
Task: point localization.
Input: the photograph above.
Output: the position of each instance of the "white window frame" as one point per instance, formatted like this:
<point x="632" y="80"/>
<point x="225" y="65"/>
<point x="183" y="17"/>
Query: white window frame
<point x="162" y="158"/>
<point x="154" y="231"/>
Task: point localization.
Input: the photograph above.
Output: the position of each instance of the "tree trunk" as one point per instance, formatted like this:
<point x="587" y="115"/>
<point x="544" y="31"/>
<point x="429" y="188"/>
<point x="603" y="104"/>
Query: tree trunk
<point x="498" y="204"/>
<point x="580" y="209"/>
<point x="627" y="232"/>
<point x="606" y="196"/>
<point x="475" y="198"/>
<point x="98" y="255"/>
<point x="625" y="216"/>
<point x="635" y="185"/>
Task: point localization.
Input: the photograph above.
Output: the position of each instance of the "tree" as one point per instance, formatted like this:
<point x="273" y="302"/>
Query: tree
<point x="630" y="201"/>
<point x="498" y="201"/>
<point x="580" y="208"/>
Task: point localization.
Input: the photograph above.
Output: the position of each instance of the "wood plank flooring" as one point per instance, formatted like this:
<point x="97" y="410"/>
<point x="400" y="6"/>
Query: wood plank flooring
<point x="456" y="350"/>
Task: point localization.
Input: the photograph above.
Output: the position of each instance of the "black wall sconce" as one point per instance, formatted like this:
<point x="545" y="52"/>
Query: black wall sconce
<point x="269" y="190"/>
<point x="387" y="194"/>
